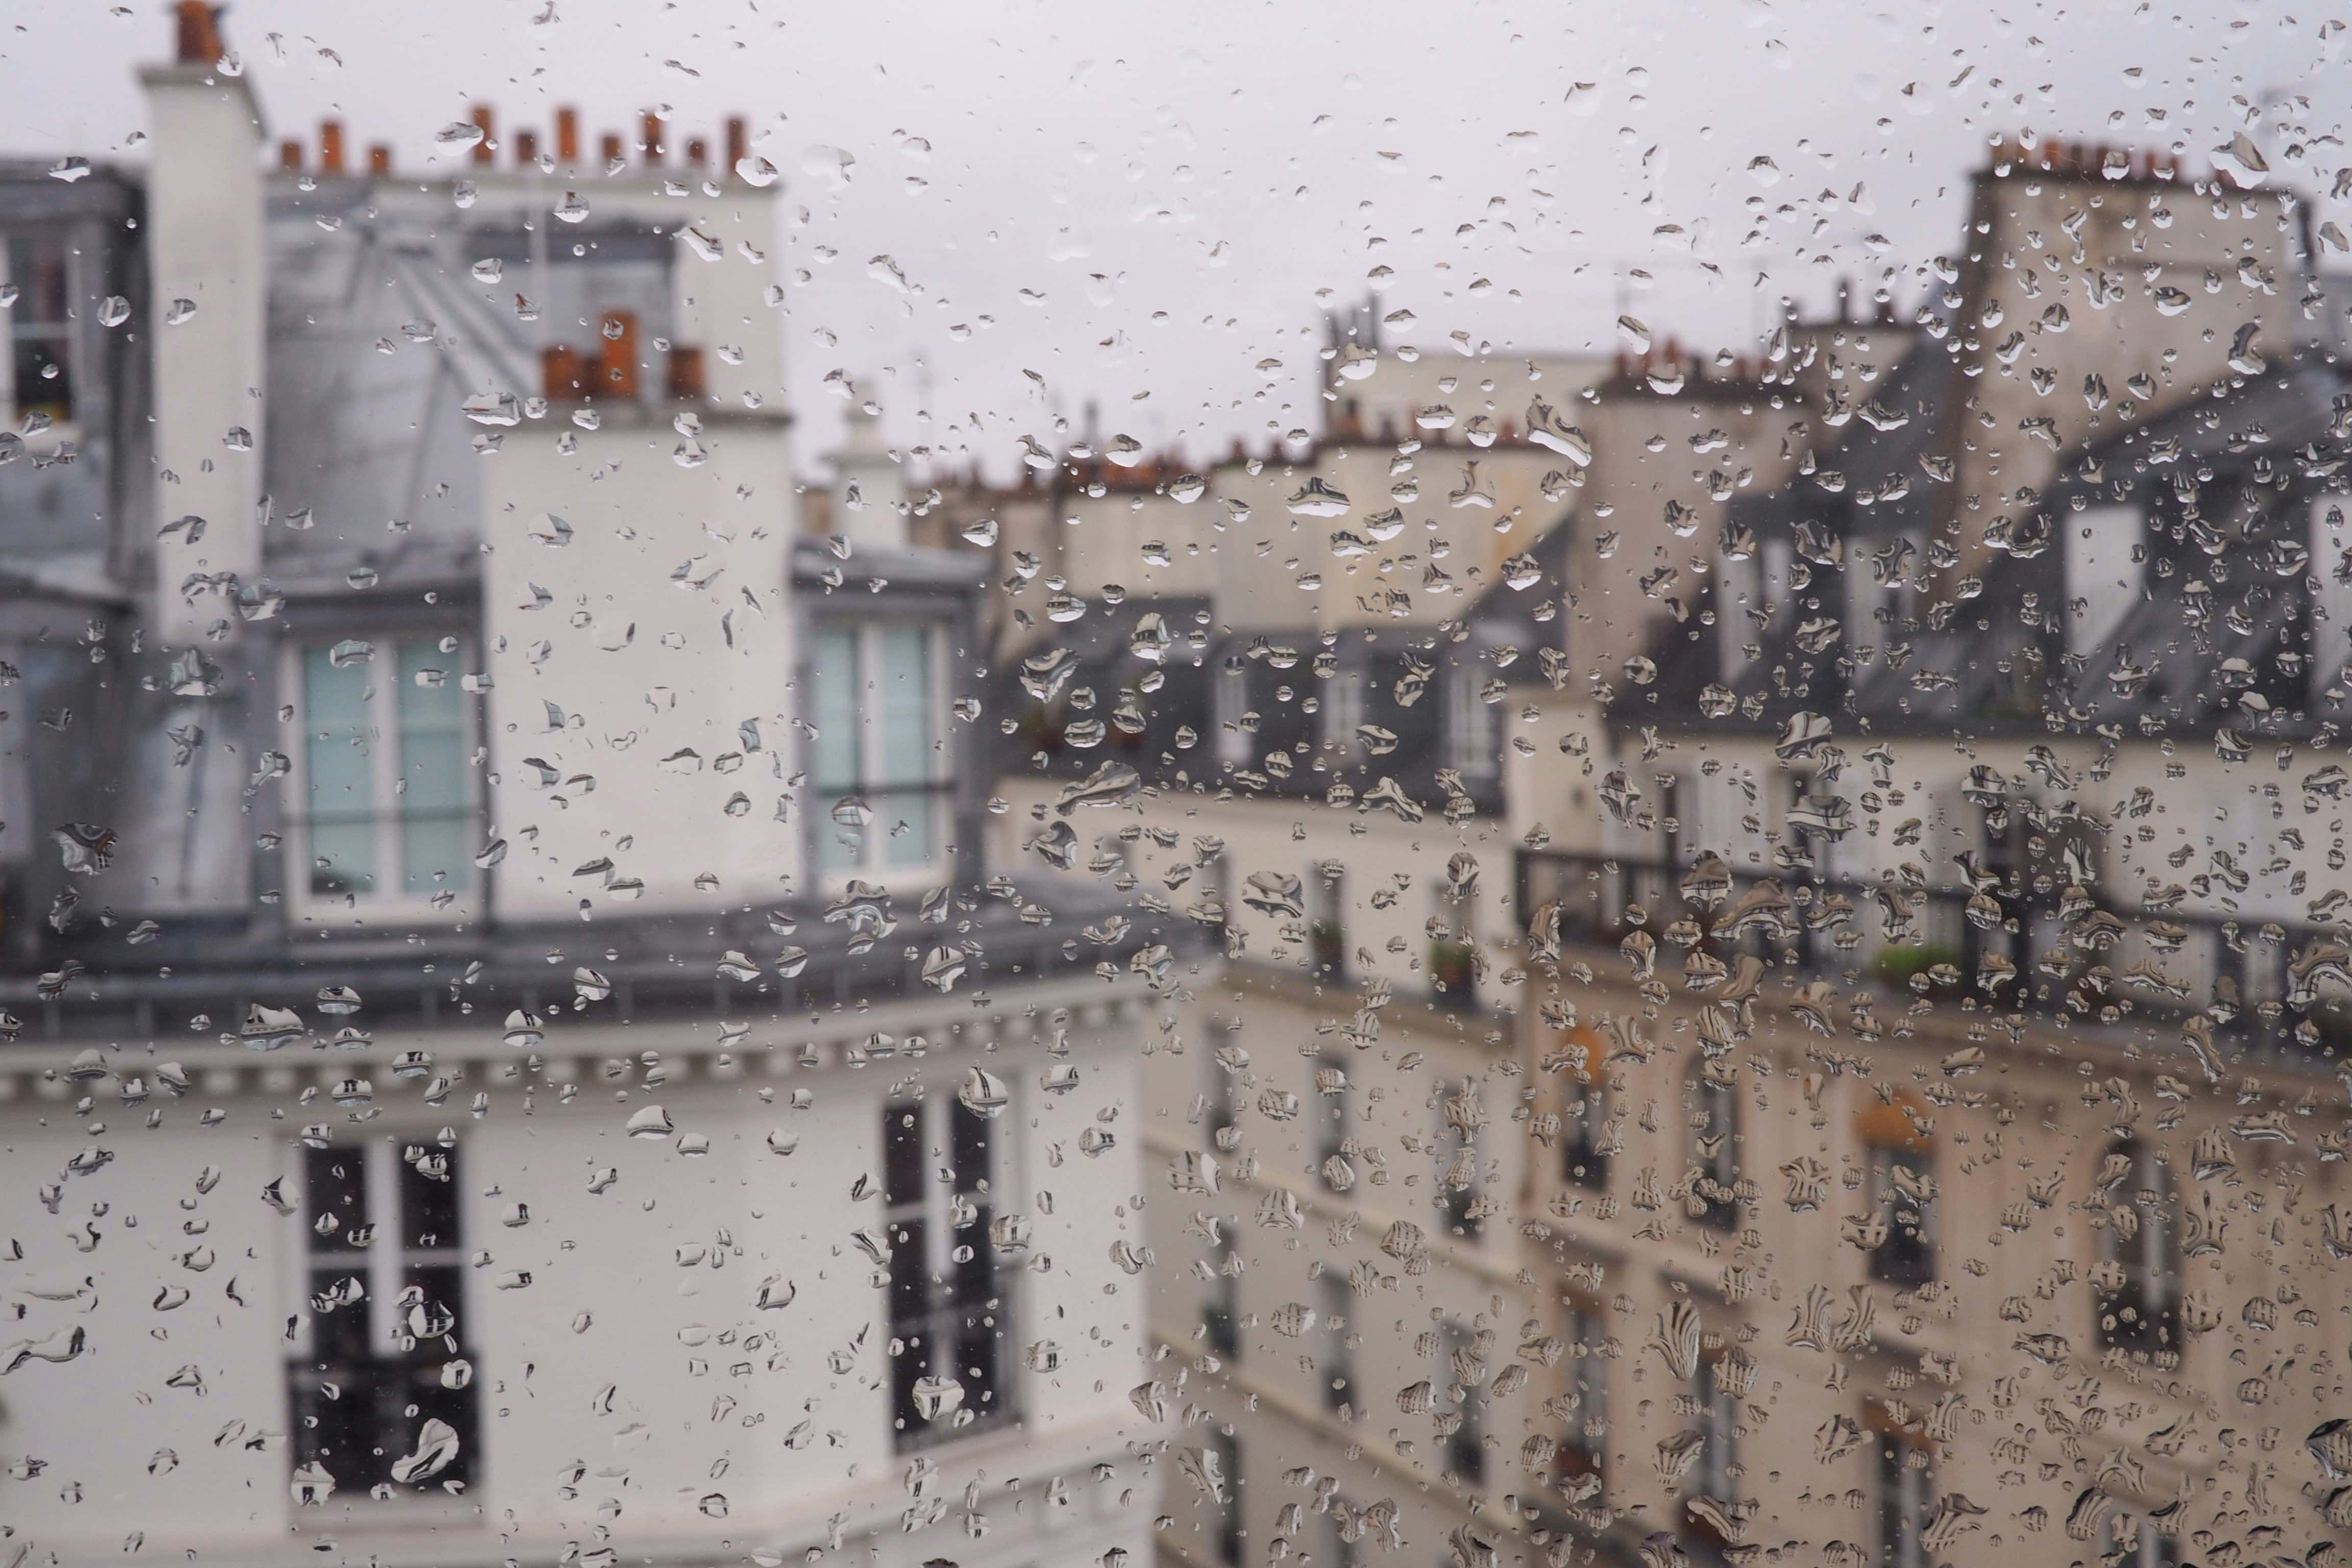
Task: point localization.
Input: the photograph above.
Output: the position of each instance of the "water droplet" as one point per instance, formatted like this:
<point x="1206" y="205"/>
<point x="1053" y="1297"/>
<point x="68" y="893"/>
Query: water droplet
<point x="649" y="1121"/>
<point x="983" y="1093"/>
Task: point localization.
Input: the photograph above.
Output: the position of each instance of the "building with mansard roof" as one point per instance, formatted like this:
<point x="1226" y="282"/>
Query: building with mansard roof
<point x="517" y="1050"/>
<point x="1802" y="1044"/>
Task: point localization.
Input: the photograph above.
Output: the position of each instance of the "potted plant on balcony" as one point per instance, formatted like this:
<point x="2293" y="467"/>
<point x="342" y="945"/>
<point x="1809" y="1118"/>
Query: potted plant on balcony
<point x="1454" y="971"/>
<point x="1327" y="943"/>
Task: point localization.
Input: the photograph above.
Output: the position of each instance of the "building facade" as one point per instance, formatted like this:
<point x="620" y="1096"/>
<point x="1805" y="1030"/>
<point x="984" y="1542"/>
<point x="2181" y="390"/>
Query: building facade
<point x="515" y="1048"/>
<point x="1840" y="1059"/>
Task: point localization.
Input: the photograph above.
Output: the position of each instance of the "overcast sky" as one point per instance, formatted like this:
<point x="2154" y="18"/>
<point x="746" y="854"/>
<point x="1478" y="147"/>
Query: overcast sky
<point x="1143" y="203"/>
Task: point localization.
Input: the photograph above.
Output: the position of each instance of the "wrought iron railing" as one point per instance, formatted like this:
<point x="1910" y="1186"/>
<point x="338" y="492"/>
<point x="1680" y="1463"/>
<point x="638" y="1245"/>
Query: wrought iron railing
<point x="2225" y="990"/>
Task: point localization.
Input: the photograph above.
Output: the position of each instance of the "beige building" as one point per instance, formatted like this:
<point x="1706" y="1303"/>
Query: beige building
<point x="1850" y="1071"/>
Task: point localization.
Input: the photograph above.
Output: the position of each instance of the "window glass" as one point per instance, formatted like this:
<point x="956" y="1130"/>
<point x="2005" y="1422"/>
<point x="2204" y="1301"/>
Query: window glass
<point x="41" y="269"/>
<point x="876" y="754"/>
<point x="1081" y="786"/>
<point x="910" y="727"/>
<point x="339" y="741"/>
<point x="433" y="790"/>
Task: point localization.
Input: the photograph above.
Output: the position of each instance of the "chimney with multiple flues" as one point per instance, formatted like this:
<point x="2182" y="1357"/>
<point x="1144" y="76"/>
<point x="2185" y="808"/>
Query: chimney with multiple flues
<point x="199" y="33"/>
<point x="199" y="37"/>
<point x="611" y="372"/>
<point x="2085" y="160"/>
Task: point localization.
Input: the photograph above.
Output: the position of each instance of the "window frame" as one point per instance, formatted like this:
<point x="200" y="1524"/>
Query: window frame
<point x="938" y="789"/>
<point x="1723" y="1214"/>
<point x="1904" y="1500"/>
<point x="1584" y="1151"/>
<point x="1220" y="1302"/>
<point x="1885" y="1261"/>
<point x="942" y="1317"/>
<point x="1326" y="921"/>
<point x="1711" y="1476"/>
<point x="65" y="335"/>
<point x="1450" y="1144"/>
<point x="1465" y="1457"/>
<point x="386" y="1261"/>
<point x="1471" y="737"/>
<point x="1334" y="1363"/>
<point x="2155" y="1276"/>
<point x="1231" y="1529"/>
<point x="2151" y="1546"/>
<point x="1580" y="1453"/>
<point x="1334" y="1117"/>
<point x="383" y="905"/>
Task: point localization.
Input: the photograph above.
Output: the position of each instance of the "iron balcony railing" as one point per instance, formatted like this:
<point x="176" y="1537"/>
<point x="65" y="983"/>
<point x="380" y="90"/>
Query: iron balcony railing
<point x="2225" y="990"/>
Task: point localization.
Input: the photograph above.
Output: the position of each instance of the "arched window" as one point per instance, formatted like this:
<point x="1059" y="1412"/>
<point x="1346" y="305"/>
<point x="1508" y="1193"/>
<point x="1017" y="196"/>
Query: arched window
<point x="2138" y="1283"/>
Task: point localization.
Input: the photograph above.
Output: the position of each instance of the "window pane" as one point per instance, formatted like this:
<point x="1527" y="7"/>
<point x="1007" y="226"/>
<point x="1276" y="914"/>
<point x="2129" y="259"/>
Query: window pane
<point x="833" y="697"/>
<point x="428" y="1201"/>
<point x="834" y="753"/>
<point x="335" y="1194"/>
<point x="41" y="324"/>
<point x="339" y="768"/>
<point x="907" y="726"/>
<point x="973" y="1136"/>
<point x="434" y="816"/>
<point x="902" y="1153"/>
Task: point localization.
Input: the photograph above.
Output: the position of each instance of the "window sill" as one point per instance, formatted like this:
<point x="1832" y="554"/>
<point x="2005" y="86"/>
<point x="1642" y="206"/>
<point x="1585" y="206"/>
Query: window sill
<point x="894" y="880"/>
<point x="368" y="915"/>
<point x="955" y="1437"/>
<point x="436" y="1511"/>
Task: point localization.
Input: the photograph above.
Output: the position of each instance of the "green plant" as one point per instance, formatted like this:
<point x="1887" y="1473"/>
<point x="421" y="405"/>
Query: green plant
<point x="1896" y="965"/>
<point x="1454" y="971"/>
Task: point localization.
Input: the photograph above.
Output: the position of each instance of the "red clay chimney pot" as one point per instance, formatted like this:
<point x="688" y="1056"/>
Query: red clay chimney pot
<point x="199" y="40"/>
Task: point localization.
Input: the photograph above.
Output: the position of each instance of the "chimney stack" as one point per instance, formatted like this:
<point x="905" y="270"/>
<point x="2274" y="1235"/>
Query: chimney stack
<point x="738" y="142"/>
<point x="330" y="146"/>
<point x="289" y="156"/>
<point x="567" y="136"/>
<point x="483" y="152"/>
<point x="199" y="41"/>
<point x="686" y="378"/>
<point x="379" y="158"/>
<point x="652" y="137"/>
<point x="609" y="145"/>
<point x="526" y="145"/>
<point x="698" y="152"/>
<point x="563" y="373"/>
<point x="203" y="237"/>
<point x="617" y="360"/>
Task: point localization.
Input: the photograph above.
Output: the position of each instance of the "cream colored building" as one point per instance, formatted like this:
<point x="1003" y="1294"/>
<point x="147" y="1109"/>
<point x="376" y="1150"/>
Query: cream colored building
<point x="1859" y="1081"/>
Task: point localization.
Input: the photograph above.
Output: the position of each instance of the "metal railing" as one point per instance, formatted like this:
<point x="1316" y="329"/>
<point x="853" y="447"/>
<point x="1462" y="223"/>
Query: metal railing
<point x="2245" y="990"/>
<point x="675" y="968"/>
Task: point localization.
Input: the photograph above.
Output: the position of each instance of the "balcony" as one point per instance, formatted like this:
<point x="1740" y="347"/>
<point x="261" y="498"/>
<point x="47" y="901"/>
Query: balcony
<point x="2232" y="992"/>
<point x="476" y="975"/>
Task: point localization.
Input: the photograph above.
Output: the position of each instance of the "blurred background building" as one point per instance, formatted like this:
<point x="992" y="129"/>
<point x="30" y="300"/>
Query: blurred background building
<point x="1731" y="956"/>
<point x="1784" y="991"/>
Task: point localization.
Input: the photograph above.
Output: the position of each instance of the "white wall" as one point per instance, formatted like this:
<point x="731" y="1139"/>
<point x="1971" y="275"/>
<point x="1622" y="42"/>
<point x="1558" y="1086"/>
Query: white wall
<point x="608" y="1303"/>
<point x="204" y="246"/>
<point x="642" y="666"/>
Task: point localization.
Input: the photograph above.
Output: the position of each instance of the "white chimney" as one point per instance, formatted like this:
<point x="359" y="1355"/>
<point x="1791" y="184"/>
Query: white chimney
<point x="207" y="325"/>
<point x="869" y="488"/>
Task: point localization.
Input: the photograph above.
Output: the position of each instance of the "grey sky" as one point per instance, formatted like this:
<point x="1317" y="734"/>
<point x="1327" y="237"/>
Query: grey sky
<point x="1178" y="186"/>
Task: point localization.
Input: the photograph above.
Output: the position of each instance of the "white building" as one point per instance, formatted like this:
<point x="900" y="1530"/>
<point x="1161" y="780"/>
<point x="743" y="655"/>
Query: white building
<point x="517" y="1055"/>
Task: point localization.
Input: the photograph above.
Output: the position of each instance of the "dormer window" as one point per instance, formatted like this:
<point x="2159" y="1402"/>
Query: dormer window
<point x="384" y="782"/>
<point x="879" y="760"/>
<point x="2102" y="573"/>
